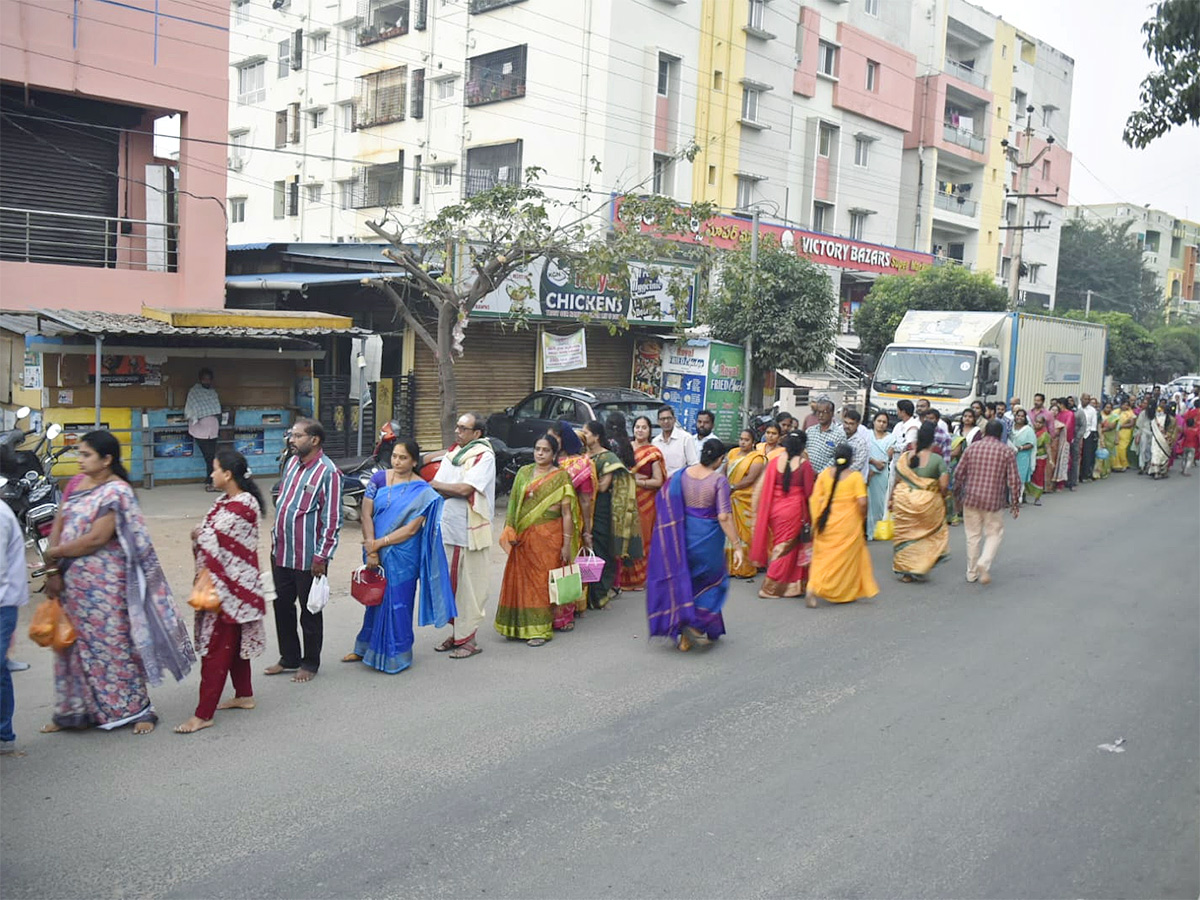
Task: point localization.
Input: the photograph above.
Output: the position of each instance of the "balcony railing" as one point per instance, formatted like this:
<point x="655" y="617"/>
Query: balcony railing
<point x="955" y="203"/>
<point x="966" y="73"/>
<point x="71" y="239"/>
<point x="963" y="138"/>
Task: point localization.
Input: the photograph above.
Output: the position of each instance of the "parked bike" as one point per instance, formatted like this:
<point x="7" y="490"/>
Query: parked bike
<point x="26" y="483"/>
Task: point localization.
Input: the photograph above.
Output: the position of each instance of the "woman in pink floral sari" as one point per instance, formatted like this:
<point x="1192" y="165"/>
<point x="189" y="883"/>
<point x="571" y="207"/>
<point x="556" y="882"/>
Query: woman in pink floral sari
<point x="115" y="594"/>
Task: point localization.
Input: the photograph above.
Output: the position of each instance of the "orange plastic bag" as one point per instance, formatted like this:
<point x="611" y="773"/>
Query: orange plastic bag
<point x="64" y="632"/>
<point x="204" y="593"/>
<point x="42" y="625"/>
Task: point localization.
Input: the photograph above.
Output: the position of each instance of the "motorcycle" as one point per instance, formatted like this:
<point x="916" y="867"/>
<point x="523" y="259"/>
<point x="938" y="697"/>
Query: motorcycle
<point x="26" y="484"/>
<point x="356" y="471"/>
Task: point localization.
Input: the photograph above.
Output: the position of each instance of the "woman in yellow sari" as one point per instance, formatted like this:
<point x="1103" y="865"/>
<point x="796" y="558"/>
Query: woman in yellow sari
<point x="1110" y="421"/>
<point x="539" y="535"/>
<point x="745" y="467"/>
<point x="770" y="446"/>
<point x="841" y="567"/>
<point x="1125" y="420"/>
<point x="920" y="539"/>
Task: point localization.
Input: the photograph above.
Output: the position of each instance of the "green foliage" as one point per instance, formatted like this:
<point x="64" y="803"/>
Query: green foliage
<point x="1105" y="258"/>
<point x="1170" y="96"/>
<point x="939" y="287"/>
<point x="785" y="303"/>
<point x="1178" y="351"/>
<point x="1132" y="350"/>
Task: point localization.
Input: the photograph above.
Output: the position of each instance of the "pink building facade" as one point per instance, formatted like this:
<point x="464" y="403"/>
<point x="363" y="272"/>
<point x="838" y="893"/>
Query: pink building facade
<point x="89" y="217"/>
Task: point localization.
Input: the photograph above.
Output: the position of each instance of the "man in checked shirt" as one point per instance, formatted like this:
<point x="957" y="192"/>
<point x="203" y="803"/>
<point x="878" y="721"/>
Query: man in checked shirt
<point x="308" y="518"/>
<point x="985" y="482"/>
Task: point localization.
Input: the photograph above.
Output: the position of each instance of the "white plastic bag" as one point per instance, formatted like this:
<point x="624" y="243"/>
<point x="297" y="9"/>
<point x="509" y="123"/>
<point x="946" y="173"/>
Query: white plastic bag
<point x="318" y="595"/>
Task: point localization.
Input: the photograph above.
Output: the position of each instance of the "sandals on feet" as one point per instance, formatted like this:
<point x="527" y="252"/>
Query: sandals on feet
<point x="466" y="651"/>
<point x="445" y="646"/>
<point x="535" y="642"/>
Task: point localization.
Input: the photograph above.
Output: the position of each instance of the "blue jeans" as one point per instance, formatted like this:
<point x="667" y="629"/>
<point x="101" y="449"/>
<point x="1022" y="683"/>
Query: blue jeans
<point x="8" y="624"/>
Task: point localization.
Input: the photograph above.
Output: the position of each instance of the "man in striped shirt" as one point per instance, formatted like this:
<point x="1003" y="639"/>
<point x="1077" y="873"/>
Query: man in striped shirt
<point x="308" y="516"/>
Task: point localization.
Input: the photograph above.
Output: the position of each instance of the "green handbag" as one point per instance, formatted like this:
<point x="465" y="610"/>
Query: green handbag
<point x="566" y="585"/>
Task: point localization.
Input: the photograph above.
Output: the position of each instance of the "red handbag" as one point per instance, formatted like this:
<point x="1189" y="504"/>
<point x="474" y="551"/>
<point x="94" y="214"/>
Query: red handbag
<point x="367" y="585"/>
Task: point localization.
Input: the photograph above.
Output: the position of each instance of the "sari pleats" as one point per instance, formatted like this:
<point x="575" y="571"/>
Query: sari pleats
<point x="841" y="566"/>
<point x="920" y="538"/>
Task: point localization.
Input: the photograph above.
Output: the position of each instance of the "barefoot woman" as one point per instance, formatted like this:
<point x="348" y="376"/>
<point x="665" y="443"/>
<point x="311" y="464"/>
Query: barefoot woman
<point x="226" y="546"/>
<point x="113" y="590"/>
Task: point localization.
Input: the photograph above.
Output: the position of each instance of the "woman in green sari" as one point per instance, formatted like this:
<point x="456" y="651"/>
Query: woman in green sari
<point x="539" y="535"/>
<point x="920" y="539"/>
<point x="1110" y="430"/>
<point x="616" y="528"/>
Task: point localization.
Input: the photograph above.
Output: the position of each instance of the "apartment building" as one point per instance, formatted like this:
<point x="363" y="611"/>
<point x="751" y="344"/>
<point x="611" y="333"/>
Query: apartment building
<point x="1170" y="249"/>
<point x="983" y="81"/>
<point x="90" y="218"/>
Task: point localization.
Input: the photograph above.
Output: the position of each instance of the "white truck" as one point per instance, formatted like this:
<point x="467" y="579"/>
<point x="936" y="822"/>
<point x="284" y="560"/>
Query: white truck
<point x="955" y="358"/>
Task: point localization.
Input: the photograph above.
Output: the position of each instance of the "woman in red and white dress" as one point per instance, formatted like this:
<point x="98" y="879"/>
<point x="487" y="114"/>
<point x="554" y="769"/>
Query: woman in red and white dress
<point x="226" y="544"/>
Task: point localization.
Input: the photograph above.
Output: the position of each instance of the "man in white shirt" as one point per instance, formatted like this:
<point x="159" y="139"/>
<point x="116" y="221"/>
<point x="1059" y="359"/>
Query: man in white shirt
<point x="905" y="431"/>
<point x="467" y="479"/>
<point x="14" y="593"/>
<point x="705" y="421"/>
<point x="679" y="449"/>
<point x="1091" y="438"/>
<point x="923" y="408"/>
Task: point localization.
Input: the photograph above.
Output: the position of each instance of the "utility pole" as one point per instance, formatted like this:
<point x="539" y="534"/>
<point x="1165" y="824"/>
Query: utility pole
<point x="1022" y="193"/>
<point x="1088" y="308"/>
<point x="747" y="377"/>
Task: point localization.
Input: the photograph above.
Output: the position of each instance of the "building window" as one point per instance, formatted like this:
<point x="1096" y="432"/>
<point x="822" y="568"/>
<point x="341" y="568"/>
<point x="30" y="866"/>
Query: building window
<point x="237" y="210"/>
<point x="281" y="128"/>
<point x="252" y="83"/>
<point x="827" y="59"/>
<point x="664" y="75"/>
<point x="316" y="118"/>
<point x="445" y="89"/>
<point x="490" y="166"/>
<point x="871" y="7"/>
<point x="349" y="39"/>
<point x="712" y="175"/>
<point x="718" y="81"/>
<point x="757" y="10"/>
<point x="862" y="151"/>
<point x="1045" y="169"/>
<point x="347" y="193"/>
<point x="346" y="111"/>
<point x="318" y="43"/>
<point x="1047" y="114"/>
<point x="382" y="186"/>
<point x="1033" y="269"/>
<point x="664" y="175"/>
<point x="237" y="148"/>
<point x="241" y="15"/>
<point x="418" y="94"/>
<point x="285" y="58"/>
<point x="872" y="75"/>
<point x="443" y="176"/>
<point x="496" y="76"/>
<point x="313" y="193"/>
<point x="385" y="19"/>
<point x="824" y="139"/>
<point x="382" y="97"/>
<point x="822" y="216"/>
<point x="858" y="224"/>
<point x="416" y="179"/>
<point x="750" y="98"/>
<point x="1041" y="219"/>
<point x="280" y="205"/>
<point x="745" y="192"/>
<point x="482" y="6"/>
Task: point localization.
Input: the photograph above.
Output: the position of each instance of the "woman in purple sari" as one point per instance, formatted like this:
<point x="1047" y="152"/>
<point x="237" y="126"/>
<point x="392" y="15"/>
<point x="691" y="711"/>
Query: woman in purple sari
<point x="687" y="580"/>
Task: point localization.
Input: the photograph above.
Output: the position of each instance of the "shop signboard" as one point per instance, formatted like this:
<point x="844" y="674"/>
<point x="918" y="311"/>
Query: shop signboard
<point x="564" y="352"/>
<point x="547" y="289"/>
<point x="726" y="370"/>
<point x="119" y="370"/>
<point x="685" y="365"/>
<point x="173" y="443"/>
<point x="703" y="374"/>
<point x="1063" y="368"/>
<point x="648" y="366"/>
<point x="249" y="443"/>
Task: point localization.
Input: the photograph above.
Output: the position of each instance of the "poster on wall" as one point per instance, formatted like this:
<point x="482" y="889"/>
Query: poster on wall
<point x="564" y="352"/>
<point x="726" y="366"/>
<point x="173" y="444"/>
<point x="33" y="371"/>
<point x="648" y="366"/>
<point x="684" y="369"/>
<point x="120" y="371"/>
<point x="249" y="443"/>
<point x="1064" y="368"/>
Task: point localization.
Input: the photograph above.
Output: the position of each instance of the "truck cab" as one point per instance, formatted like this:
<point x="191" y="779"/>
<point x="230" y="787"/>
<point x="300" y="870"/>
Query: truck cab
<point x="950" y="378"/>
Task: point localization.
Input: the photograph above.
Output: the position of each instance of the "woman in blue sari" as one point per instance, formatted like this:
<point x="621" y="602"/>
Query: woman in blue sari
<point x="402" y="531"/>
<point x="687" y="581"/>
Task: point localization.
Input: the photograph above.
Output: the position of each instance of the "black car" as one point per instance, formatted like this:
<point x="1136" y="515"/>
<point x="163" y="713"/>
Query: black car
<point x="521" y="425"/>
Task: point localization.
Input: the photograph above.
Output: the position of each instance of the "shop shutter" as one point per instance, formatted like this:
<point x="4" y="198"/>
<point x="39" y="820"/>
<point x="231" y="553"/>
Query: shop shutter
<point x="496" y="370"/>
<point x="610" y="361"/>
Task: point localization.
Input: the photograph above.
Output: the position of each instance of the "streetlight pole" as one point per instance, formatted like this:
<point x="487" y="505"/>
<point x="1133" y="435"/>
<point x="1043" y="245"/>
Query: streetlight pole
<point x="1022" y="193"/>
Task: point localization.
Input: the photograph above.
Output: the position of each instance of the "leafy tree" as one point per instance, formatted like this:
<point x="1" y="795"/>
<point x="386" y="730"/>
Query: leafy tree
<point x="1132" y="350"/>
<point x="1170" y="96"/>
<point x="1105" y="258"/>
<point x="784" y="303"/>
<point x="455" y="259"/>
<point x="939" y="287"/>
<point x="1177" y="352"/>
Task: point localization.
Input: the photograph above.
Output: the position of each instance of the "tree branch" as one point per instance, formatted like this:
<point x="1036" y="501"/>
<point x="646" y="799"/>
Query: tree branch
<point x="410" y="263"/>
<point x="386" y="288"/>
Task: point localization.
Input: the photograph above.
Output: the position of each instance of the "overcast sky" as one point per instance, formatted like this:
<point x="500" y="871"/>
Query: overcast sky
<point x="1104" y="38"/>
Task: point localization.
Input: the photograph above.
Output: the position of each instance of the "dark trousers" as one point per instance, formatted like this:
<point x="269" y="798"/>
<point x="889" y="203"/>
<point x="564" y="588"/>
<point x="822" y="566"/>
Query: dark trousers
<point x="1088" y="464"/>
<point x="1076" y="458"/>
<point x="292" y="586"/>
<point x="8" y="624"/>
<point x="208" y="449"/>
<point x="224" y="658"/>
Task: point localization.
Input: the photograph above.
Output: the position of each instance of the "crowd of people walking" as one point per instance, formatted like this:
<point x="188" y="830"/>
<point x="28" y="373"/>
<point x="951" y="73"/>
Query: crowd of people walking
<point x="674" y="515"/>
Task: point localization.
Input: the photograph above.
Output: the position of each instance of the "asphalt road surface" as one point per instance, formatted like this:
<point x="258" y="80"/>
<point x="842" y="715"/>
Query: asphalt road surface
<point x="942" y="740"/>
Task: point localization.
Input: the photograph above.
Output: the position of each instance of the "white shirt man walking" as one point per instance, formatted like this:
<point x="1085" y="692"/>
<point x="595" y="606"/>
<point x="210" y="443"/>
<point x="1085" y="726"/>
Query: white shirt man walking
<point x="678" y="448"/>
<point x="467" y="479"/>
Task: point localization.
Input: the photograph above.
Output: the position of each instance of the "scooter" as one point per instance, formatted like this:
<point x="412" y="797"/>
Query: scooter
<point x="27" y="486"/>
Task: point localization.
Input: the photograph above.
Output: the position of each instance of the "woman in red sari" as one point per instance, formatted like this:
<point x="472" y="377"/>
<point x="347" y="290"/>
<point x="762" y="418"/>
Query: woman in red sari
<point x="573" y="459"/>
<point x="782" y="540"/>
<point x="649" y="473"/>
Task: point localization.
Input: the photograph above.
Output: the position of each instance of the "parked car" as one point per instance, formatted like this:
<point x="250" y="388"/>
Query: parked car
<point x="521" y="425"/>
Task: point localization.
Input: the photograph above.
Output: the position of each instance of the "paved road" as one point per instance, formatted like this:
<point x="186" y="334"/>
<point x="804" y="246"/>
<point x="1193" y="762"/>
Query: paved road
<point x="941" y="740"/>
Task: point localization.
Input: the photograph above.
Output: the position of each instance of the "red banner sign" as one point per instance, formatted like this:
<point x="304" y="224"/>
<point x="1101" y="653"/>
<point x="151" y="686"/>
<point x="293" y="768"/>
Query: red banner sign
<point x="729" y="232"/>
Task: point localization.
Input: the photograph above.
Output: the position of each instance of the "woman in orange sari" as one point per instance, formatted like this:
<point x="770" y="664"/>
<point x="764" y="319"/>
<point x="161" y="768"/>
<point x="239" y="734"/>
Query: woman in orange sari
<point x="574" y="460"/>
<point x="782" y="533"/>
<point x="745" y="464"/>
<point x="649" y="473"/>
<point x="539" y="535"/>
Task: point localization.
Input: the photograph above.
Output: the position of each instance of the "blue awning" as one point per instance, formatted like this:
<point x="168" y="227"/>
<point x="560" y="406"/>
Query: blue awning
<point x="301" y="281"/>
